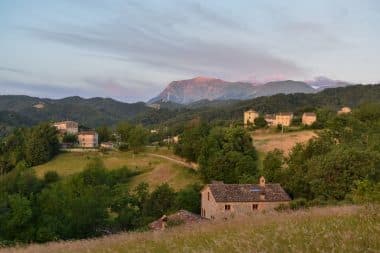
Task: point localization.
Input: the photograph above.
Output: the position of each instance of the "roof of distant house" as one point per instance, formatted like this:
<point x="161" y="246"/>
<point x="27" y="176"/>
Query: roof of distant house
<point x="270" y="116"/>
<point x="309" y="114"/>
<point x="285" y="114"/>
<point x="65" y="122"/>
<point x="248" y="192"/>
<point x="90" y="132"/>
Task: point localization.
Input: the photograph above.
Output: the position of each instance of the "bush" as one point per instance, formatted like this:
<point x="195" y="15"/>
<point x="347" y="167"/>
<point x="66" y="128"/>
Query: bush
<point x="298" y="203"/>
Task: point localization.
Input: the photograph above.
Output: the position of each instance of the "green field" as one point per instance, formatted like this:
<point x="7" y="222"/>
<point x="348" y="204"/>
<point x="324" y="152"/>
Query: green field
<point x="154" y="170"/>
<point x="328" y="229"/>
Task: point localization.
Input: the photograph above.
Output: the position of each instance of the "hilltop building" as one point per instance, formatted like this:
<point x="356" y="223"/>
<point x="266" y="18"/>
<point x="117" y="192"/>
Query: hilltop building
<point x="88" y="139"/>
<point x="250" y="116"/>
<point x="308" y="118"/>
<point x="221" y="201"/>
<point x="284" y="118"/>
<point x="344" y="110"/>
<point x="70" y="127"/>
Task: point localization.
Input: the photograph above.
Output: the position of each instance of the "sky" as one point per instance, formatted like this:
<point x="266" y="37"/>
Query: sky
<point x="130" y="50"/>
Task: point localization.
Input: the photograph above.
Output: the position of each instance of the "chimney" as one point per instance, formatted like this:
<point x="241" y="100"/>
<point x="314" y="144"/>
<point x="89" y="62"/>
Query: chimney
<point x="262" y="181"/>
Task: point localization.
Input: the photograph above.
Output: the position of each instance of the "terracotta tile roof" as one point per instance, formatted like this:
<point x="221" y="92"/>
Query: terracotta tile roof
<point x="90" y="132"/>
<point x="270" y="116"/>
<point x="248" y="193"/>
<point x="285" y="114"/>
<point x="310" y="114"/>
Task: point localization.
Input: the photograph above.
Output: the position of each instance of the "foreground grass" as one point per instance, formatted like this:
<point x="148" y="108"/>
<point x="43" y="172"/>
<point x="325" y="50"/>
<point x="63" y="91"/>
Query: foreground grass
<point x="331" y="229"/>
<point x="154" y="170"/>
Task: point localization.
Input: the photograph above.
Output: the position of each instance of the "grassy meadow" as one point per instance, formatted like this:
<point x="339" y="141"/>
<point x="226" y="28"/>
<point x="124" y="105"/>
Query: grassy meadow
<point x="154" y="170"/>
<point x="323" y="229"/>
<point x="267" y="141"/>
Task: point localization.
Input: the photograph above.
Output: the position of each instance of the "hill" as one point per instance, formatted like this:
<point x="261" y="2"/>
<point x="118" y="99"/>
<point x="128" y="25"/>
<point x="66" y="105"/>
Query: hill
<point x="205" y="88"/>
<point x="328" y="229"/>
<point x="89" y="112"/>
<point x="152" y="168"/>
<point x="200" y="88"/>
<point x="219" y="111"/>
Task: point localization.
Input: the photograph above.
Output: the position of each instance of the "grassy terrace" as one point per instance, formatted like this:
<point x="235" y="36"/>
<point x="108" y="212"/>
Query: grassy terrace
<point x="155" y="170"/>
<point x="329" y="229"/>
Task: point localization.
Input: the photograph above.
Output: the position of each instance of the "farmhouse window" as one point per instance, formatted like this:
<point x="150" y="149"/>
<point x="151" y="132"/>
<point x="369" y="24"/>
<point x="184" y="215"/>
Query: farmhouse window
<point x="255" y="206"/>
<point x="227" y="207"/>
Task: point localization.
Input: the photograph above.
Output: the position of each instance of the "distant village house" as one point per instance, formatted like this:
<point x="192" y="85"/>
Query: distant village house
<point x="344" y="110"/>
<point x="308" y="118"/>
<point x="88" y="139"/>
<point x="221" y="201"/>
<point x="70" y="127"/>
<point x="249" y="117"/>
<point x="284" y="118"/>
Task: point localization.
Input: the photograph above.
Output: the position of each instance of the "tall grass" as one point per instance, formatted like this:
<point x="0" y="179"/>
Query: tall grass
<point x="329" y="229"/>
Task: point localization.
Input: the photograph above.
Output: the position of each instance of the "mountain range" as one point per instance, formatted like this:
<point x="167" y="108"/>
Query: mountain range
<point x="206" y="88"/>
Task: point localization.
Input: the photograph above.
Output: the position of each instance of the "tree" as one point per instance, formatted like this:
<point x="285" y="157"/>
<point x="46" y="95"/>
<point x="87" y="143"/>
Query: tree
<point x="17" y="221"/>
<point x="189" y="199"/>
<point x="260" y="122"/>
<point x="272" y="165"/>
<point x="138" y="138"/>
<point x="104" y="134"/>
<point x="123" y="130"/>
<point x="160" y="201"/>
<point x="70" y="138"/>
<point x="42" y="144"/>
<point x="226" y="154"/>
<point x="190" y="142"/>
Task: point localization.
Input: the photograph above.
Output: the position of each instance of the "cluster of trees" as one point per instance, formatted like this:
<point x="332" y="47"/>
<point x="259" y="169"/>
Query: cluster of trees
<point x="33" y="146"/>
<point x="129" y="136"/>
<point x="342" y="163"/>
<point x="94" y="202"/>
<point x="223" y="153"/>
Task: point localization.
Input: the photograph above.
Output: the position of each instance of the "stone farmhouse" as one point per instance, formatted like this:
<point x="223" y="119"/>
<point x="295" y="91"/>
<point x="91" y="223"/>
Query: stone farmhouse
<point x="222" y="201"/>
<point x="344" y="110"/>
<point x="249" y="117"/>
<point x="308" y="118"/>
<point x="70" y="127"/>
<point x="88" y="139"/>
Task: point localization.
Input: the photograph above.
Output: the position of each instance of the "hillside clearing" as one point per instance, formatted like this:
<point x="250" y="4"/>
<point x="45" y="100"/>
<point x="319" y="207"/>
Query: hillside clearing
<point x="328" y="229"/>
<point x="155" y="169"/>
<point x="265" y="142"/>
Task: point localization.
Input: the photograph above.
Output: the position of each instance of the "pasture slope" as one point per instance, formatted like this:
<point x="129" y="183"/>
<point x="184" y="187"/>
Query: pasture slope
<point x="323" y="229"/>
<point x="153" y="169"/>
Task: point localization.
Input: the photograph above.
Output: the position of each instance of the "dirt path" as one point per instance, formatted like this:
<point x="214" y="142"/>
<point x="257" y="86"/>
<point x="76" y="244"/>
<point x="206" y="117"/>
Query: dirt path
<point x="193" y="166"/>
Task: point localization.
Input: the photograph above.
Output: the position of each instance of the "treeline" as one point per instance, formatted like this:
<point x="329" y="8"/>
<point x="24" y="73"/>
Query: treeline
<point x="91" y="203"/>
<point x="33" y="146"/>
<point x="343" y="163"/>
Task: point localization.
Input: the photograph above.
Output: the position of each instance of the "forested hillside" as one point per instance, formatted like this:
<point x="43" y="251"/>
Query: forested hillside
<point x="94" y="112"/>
<point x="91" y="112"/>
<point x="217" y="111"/>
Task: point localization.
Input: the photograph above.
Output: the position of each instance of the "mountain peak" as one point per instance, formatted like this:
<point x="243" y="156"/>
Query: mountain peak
<point x="202" y="79"/>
